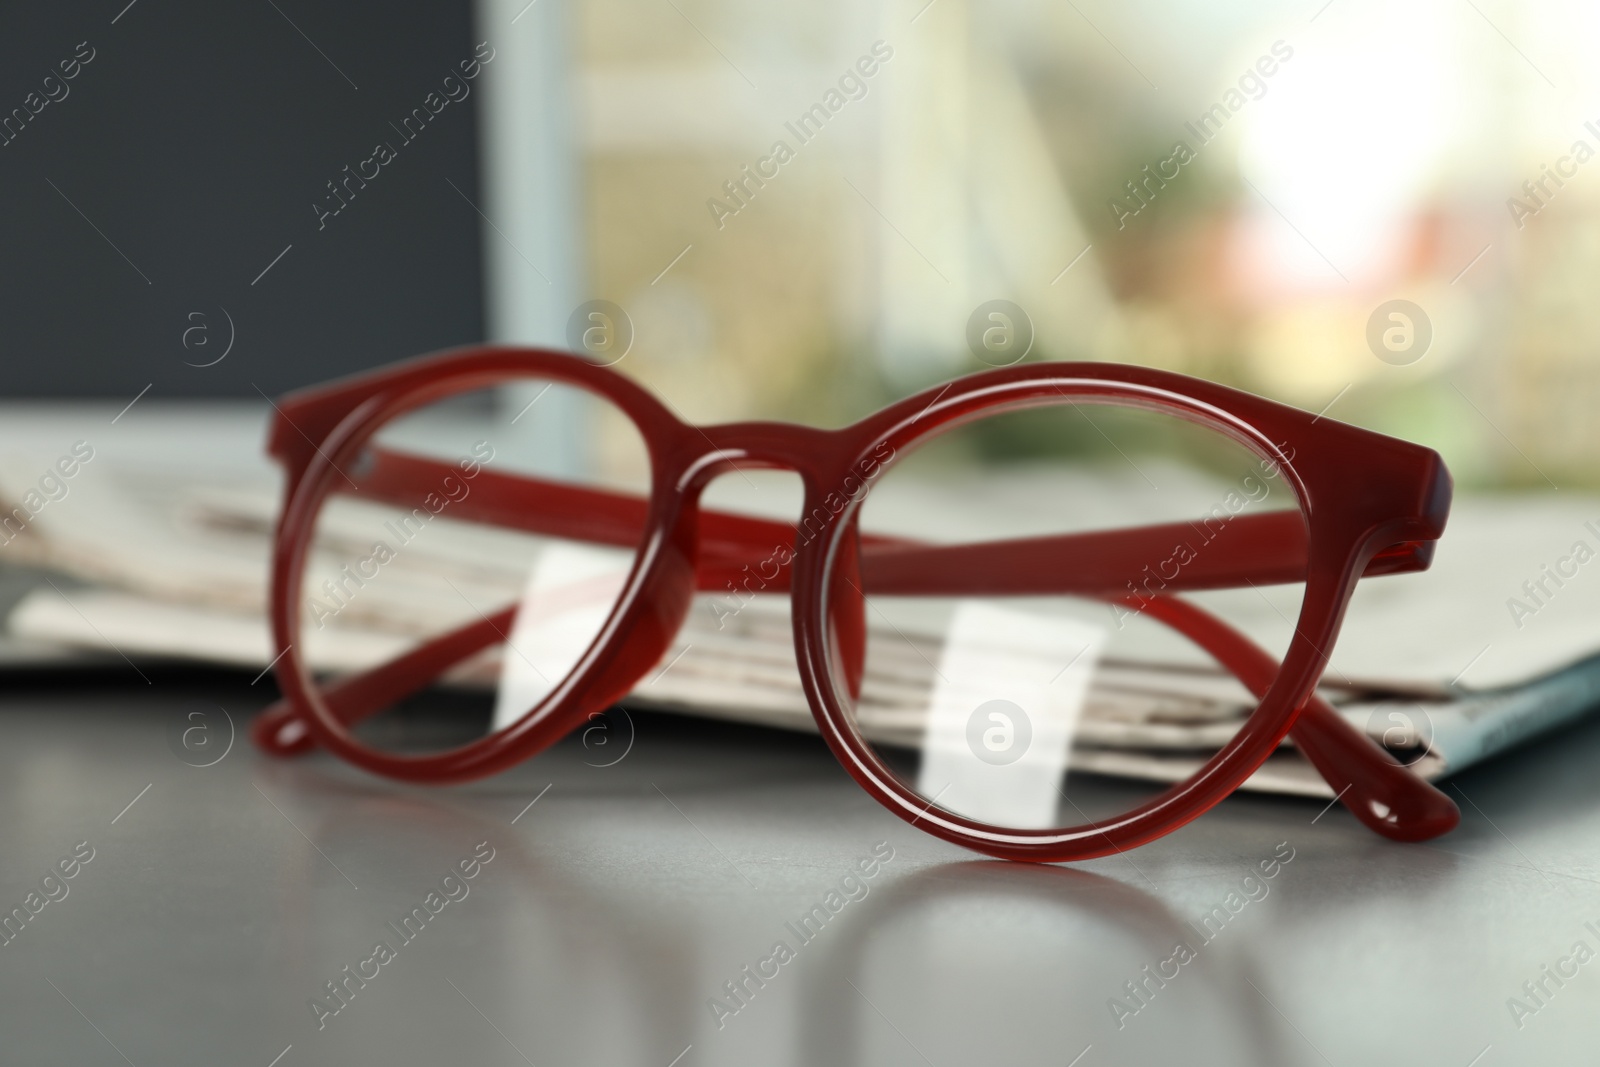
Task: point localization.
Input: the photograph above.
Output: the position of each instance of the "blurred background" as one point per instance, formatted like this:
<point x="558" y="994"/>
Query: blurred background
<point x="787" y="210"/>
<point x="796" y="210"/>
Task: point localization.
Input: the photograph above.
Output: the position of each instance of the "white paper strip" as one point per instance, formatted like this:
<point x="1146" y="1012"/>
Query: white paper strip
<point x="570" y="593"/>
<point x="1003" y="711"/>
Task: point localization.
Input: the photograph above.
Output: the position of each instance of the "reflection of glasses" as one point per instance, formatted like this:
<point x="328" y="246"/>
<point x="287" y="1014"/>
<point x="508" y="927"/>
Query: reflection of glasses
<point x="987" y="689"/>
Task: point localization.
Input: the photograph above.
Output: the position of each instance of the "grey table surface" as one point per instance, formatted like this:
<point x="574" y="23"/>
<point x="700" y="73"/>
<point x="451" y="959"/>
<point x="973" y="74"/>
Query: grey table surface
<point x="220" y="900"/>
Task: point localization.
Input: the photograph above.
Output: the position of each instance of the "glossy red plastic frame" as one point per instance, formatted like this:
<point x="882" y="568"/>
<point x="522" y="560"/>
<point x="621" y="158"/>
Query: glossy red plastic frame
<point x="1371" y="505"/>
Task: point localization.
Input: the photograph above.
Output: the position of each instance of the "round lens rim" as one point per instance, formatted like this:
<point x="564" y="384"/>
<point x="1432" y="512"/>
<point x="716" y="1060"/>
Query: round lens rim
<point x="386" y="401"/>
<point x="982" y="396"/>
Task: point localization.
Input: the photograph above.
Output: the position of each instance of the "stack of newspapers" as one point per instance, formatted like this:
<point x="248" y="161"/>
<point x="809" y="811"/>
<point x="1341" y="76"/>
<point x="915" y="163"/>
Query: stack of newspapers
<point x="105" y="554"/>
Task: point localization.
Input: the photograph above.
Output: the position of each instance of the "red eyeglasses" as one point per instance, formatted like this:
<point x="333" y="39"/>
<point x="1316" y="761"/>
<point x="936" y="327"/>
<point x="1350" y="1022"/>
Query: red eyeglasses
<point x="1018" y="600"/>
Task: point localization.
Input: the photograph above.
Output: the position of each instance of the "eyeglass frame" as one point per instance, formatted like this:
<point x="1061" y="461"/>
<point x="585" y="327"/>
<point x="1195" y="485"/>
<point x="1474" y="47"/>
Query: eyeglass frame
<point x="1370" y="505"/>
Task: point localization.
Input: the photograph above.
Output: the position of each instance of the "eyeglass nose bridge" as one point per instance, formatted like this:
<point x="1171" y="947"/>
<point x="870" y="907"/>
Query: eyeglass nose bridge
<point x="710" y="542"/>
<point x="826" y="462"/>
<point x="811" y="452"/>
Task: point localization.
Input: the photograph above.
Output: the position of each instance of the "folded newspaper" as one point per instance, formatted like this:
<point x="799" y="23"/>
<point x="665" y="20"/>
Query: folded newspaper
<point x="1496" y="644"/>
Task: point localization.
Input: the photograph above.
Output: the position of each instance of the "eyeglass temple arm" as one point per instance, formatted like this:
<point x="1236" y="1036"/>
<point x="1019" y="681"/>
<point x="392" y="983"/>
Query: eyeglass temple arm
<point x="1216" y="552"/>
<point x="1358" y="769"/>
<point x="1377" y="789"/>
<point x="1381" y="793"/>
<point x="1140" y="566"/>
